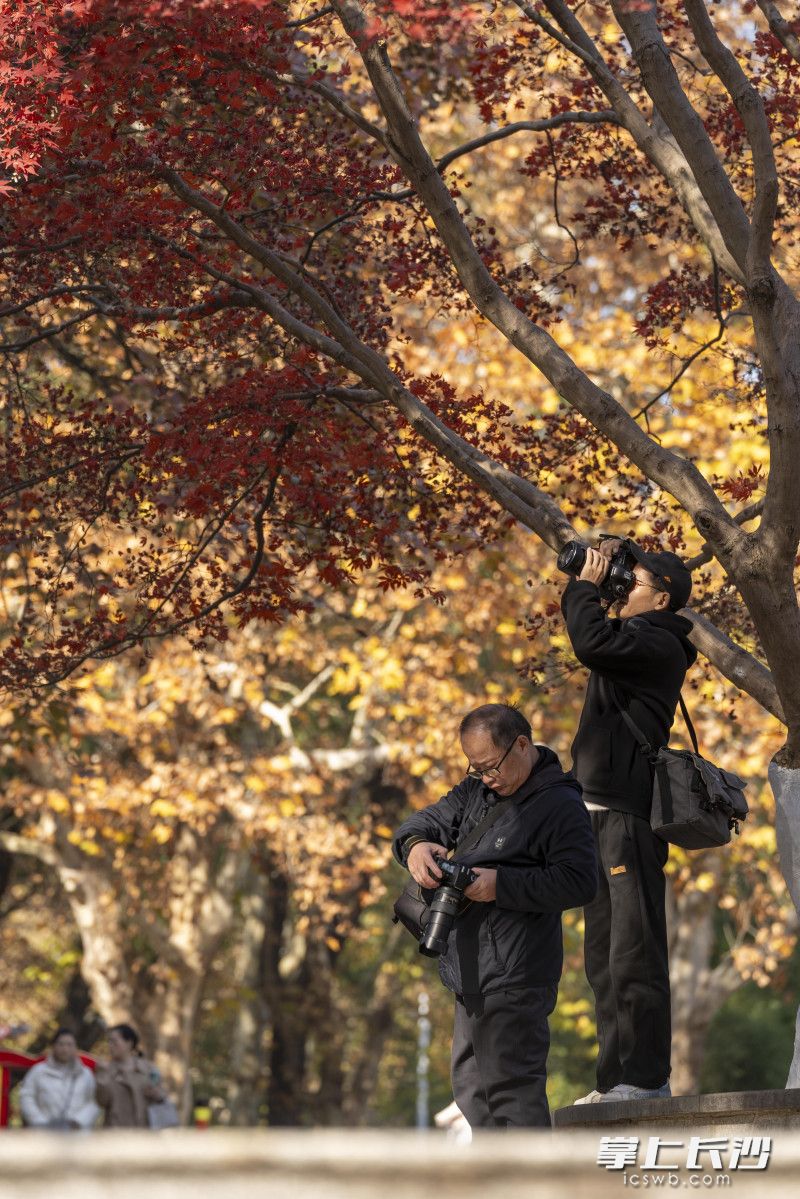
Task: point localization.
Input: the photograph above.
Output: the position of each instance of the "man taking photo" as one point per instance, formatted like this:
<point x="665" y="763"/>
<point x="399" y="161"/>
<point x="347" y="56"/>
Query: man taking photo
<point x="504" y="954"/>
<point x="638" y="653"/>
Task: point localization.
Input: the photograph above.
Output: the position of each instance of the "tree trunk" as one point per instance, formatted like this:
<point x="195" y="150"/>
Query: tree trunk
<point x="95" y="908"/>
<point x="171" y="1021"/>
<point x="248" y="1054"/>
<point x="379" y="1020"/>
<point x="785" y="783"/>
<point x="691" y="936"/>
<point x="80" y="1014"/>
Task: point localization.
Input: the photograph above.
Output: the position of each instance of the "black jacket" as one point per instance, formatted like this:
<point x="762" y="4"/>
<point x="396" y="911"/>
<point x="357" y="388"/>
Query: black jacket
<point x="543" y="850"/>
<point x="645" y="658"/>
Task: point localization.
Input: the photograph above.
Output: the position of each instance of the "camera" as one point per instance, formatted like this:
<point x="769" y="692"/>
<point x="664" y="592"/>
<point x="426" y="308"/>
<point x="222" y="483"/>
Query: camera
<point x="619" y="578"/>
<point x="445" y="906"/>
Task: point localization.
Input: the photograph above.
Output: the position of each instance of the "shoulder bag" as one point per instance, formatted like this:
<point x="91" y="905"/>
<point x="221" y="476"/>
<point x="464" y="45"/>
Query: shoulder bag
<point x="696" y="804"/>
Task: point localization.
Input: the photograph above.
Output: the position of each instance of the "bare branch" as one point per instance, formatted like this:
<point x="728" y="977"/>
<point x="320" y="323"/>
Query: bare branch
<point x="310" y="690"/>
<point x="340" y="105"/>
<point x="606" y="116"/>
<point x="303" y="21"/>
<point x="692" y="357"/>
<point x="77" y="289"/>
<point x="533" y="507"/>
<point x="655" y="142"/>
<point x="14" y="347"/>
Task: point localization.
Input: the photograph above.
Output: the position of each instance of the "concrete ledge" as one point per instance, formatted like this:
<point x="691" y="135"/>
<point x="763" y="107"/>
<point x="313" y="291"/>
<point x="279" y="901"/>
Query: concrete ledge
<point x="341" y="1164"/>
<point x="730" y="1113"/>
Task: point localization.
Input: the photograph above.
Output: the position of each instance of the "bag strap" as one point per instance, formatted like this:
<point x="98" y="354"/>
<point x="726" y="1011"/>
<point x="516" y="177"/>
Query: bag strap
<point x="639" y="736"/>
<point x="687" y="718"/>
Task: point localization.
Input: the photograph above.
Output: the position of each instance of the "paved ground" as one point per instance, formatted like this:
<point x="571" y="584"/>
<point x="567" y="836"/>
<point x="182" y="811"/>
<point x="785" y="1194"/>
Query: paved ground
<point x="355" y="1164"/>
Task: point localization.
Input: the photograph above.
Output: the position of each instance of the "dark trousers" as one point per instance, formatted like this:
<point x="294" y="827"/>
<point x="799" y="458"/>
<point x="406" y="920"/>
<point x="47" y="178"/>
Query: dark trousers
<point x="627" y="961"/>
<point x="499" y="1062"/>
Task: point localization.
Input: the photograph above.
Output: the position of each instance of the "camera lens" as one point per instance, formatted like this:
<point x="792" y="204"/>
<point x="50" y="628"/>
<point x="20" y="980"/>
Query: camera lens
<point x="571" y="559"/>
<point x="443" y="911"/>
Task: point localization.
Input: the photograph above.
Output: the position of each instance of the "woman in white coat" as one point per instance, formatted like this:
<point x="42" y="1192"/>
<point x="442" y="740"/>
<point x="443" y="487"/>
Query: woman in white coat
<point x="60" y="1091"/>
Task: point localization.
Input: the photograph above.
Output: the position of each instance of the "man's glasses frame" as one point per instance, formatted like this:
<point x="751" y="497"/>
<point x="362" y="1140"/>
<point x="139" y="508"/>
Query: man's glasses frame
<point x="490" y="772"/>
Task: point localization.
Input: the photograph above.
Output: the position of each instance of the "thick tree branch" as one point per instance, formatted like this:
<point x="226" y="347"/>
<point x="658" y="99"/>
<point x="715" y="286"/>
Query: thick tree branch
<point x="742" y="518"/>
<point x="533" y="507"/>
<point x="655" y="141"/>
<point x="750" y="107"/>
<point x="676" y="475"/>
<point x="606" y="116"/>
<point x="640" y="25"/>
<point x="781" y="28"/>
<point x="736" y="664"/>
<point x="42" y="850"/>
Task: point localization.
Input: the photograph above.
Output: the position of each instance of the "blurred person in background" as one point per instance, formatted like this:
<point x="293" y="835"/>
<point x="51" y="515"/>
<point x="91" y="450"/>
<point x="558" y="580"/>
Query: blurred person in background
<point x="60" y="1091"/>
<point x="128" y="1082"/>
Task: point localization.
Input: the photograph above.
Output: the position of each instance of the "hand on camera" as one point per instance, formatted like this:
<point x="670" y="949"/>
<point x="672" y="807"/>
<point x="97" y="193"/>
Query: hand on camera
<point x="595" y="568"/>
<point x="609" y="546"/>
<point x="422" y="863"/>
<point x="484" y="890"/>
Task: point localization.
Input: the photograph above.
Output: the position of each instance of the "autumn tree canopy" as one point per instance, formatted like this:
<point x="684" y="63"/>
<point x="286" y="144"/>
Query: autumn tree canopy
<point x="243" y="223"/>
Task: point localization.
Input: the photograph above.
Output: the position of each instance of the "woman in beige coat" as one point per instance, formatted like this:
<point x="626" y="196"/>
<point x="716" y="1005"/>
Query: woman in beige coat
<point x="127" y="1083"/>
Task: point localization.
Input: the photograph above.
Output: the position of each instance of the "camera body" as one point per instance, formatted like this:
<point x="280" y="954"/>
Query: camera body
<point x="455" y="874"/>
<point x="619" y="579"/>
<point x="446" y="904"/>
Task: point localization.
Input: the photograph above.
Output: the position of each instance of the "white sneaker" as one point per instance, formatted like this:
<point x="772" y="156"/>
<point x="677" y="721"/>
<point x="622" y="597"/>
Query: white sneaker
<point x="625" y="1090"/>
<point x="592" y="1097"/>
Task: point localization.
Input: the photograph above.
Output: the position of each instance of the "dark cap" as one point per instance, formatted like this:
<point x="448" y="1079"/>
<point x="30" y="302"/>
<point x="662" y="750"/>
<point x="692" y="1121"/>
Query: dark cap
<point x="669" y="569"/>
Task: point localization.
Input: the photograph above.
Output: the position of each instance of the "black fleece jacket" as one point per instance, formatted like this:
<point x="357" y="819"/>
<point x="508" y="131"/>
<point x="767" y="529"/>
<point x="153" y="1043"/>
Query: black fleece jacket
<point x="644" y="659"/>
<point x="543" y="850"/>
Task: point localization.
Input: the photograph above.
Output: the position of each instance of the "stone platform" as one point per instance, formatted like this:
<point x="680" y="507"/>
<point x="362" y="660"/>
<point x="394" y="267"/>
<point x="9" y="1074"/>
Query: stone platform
<point x="734" y="1113"/>
<point x="353" y="1164"/>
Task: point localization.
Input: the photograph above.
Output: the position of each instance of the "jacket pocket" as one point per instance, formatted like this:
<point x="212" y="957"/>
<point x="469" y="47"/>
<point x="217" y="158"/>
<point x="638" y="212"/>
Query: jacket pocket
<point x="492" y="936"/>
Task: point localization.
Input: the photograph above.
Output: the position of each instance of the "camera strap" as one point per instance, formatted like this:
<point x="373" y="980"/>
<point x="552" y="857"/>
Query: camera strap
<point x="492" y="816"/>
<point x="494" y="813"/>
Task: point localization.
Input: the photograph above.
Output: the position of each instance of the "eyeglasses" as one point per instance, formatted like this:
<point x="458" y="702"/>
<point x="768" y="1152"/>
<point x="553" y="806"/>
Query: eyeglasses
<point x="490" y="772"/>
<point x="652" y="586"/>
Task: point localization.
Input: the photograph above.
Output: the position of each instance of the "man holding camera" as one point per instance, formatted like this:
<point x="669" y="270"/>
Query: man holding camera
<point x="638" y="653"/>
<point x="503" y="956"/>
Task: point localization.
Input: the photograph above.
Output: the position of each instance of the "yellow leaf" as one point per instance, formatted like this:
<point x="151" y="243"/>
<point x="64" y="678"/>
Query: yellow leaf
<point x="225" y="716"/>
<point x="57" y="801"/>
<point x="506" y="628"/>
<point x="163" y="807"/>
